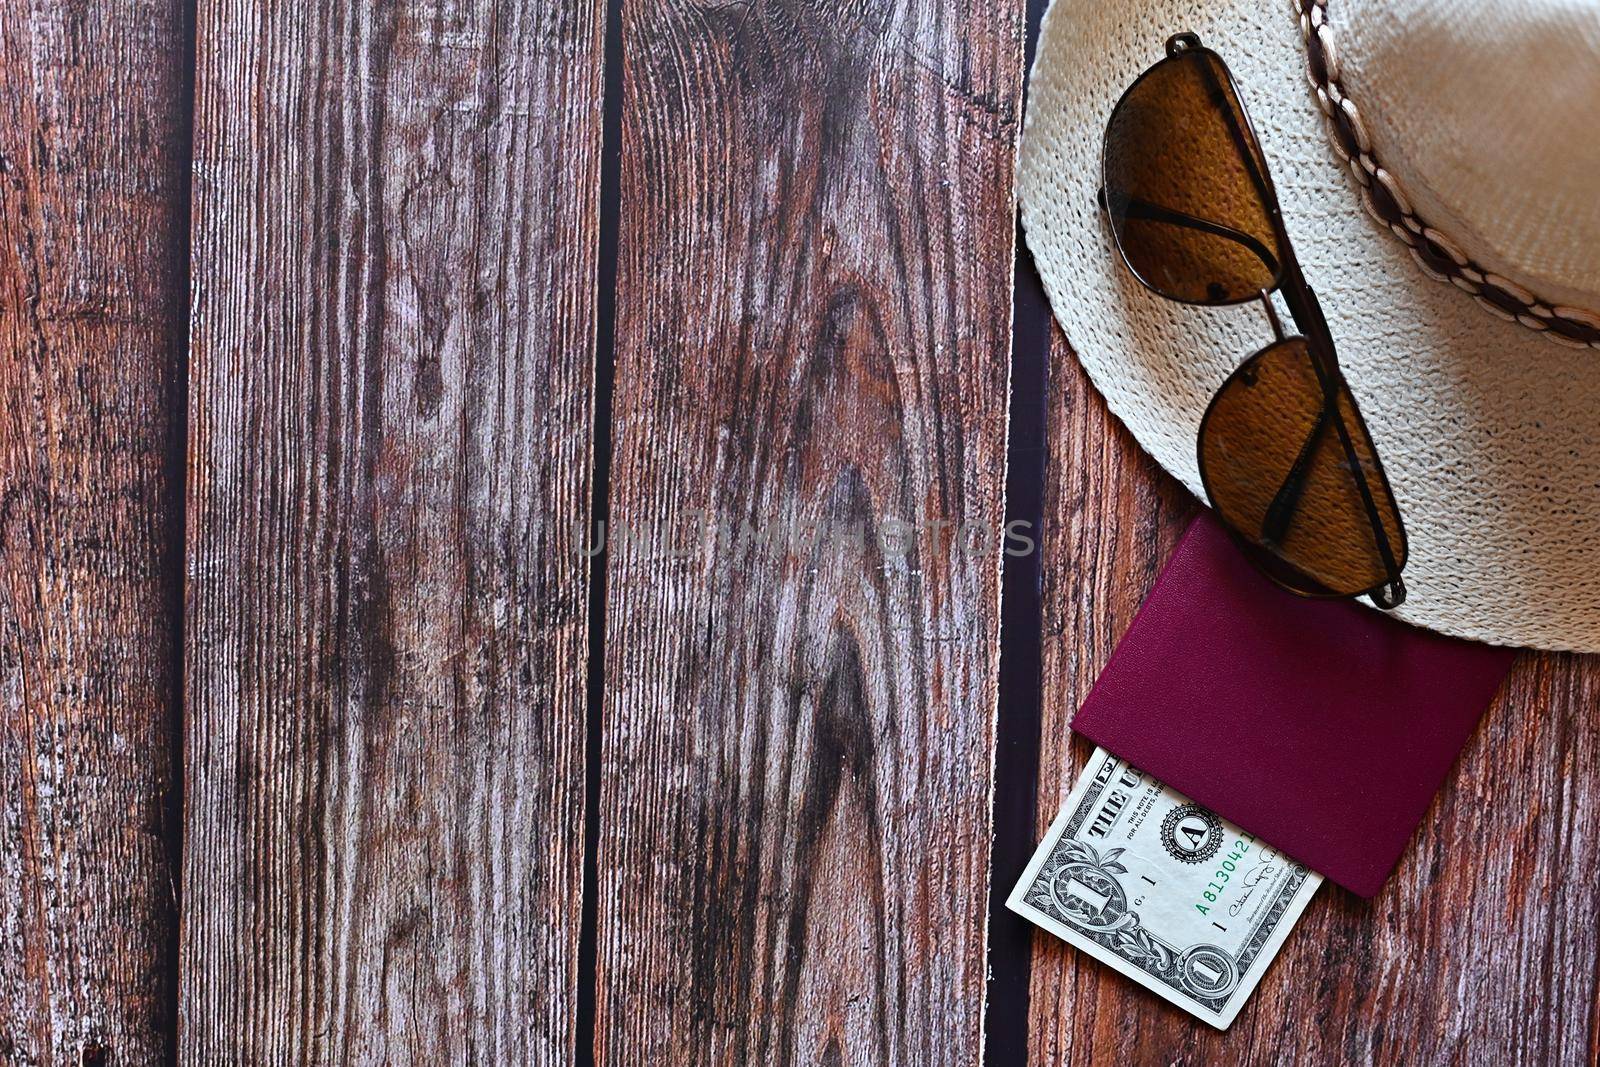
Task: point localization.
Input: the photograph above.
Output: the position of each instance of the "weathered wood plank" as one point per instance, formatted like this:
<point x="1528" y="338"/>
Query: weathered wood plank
<point x="93" y="155"/>
<point x="814" y="304"/>
<point x="392" y="362"/>
<point x="1481" y="948"/>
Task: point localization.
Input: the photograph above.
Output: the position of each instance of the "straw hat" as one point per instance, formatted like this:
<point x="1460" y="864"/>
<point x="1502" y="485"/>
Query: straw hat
<point x="1448" y="216"/>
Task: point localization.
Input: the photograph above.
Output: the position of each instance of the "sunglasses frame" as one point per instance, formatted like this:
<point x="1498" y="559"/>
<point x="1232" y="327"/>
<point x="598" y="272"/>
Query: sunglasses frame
<point x="1304" y="309"/>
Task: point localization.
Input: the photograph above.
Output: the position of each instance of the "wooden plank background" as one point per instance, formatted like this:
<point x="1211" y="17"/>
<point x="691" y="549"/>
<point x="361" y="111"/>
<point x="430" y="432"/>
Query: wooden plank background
<point x="93" y="219"/>
<point x="812" y="326"/>
<point x="385" y="401"/>
<point x="395" y="244"/>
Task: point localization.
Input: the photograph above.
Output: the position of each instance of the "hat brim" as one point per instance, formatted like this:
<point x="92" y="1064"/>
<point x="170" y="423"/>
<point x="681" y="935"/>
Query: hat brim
<point x="1489" y="432"/>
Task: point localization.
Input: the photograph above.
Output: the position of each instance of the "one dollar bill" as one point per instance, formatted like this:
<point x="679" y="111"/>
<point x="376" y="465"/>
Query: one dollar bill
<point x="1184" y="903"/>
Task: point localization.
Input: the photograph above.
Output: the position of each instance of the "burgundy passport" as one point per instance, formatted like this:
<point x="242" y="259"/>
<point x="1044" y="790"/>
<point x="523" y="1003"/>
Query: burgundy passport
<point x="1322" y="727"/>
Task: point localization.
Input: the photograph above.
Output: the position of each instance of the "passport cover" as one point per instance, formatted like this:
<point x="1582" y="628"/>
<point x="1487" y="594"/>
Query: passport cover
<point x="1322" y="727"/>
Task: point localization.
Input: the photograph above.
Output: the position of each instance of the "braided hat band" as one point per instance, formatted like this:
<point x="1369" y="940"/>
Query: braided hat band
<point x="1385" y="199"/>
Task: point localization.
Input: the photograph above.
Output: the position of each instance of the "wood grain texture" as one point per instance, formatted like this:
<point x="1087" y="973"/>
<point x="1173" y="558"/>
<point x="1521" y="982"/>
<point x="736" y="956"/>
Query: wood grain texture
<point x="813" y="322"/>
<point x="1482" y="947"/>
<point x="93" y="151"/>
<point x="395" y="238"/>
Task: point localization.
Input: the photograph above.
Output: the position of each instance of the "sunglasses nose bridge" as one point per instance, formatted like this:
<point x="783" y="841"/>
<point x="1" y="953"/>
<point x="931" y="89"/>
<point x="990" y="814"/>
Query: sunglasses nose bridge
<point x="1272" y="315"/>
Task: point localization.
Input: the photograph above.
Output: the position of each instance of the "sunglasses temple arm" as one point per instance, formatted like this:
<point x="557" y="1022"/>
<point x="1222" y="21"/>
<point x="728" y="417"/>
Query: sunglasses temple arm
<point x="1379" y="535"/>
<point x="1391" y="594"/>
<point x="1280" y="513"/>
<point x="1307" y="314"/>
<point x="1144" y="210"/>
<point x="1243" y="138"/>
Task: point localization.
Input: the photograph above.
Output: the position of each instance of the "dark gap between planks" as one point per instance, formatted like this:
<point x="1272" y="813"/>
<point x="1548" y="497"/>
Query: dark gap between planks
<point x="1019" y="717"/>
<point x="175" y="524"/>
<point x="1017" y="724"/>
<point x="599" y="517"/>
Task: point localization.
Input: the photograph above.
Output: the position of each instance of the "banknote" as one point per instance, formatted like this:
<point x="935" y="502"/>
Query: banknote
<point x="1184" y="903"/>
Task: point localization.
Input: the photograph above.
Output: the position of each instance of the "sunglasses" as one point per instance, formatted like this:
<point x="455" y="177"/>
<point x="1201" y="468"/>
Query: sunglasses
<point x="1285" y="457"/>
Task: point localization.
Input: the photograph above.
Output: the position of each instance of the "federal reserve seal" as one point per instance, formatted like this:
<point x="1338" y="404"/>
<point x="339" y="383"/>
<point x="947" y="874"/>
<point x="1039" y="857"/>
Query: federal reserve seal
<point x="1191" y="834"/>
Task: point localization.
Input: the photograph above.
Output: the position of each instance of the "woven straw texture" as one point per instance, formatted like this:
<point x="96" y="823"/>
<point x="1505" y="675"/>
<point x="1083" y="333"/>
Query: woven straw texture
<point x="1490" y="434"/>
<point x="1468" y="154"/>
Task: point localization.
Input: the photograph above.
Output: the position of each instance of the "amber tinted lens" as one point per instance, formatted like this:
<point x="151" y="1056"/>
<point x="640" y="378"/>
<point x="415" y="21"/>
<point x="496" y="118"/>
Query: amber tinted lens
<point x="1186" y="185"/>
<point x="1277" y="472"/>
